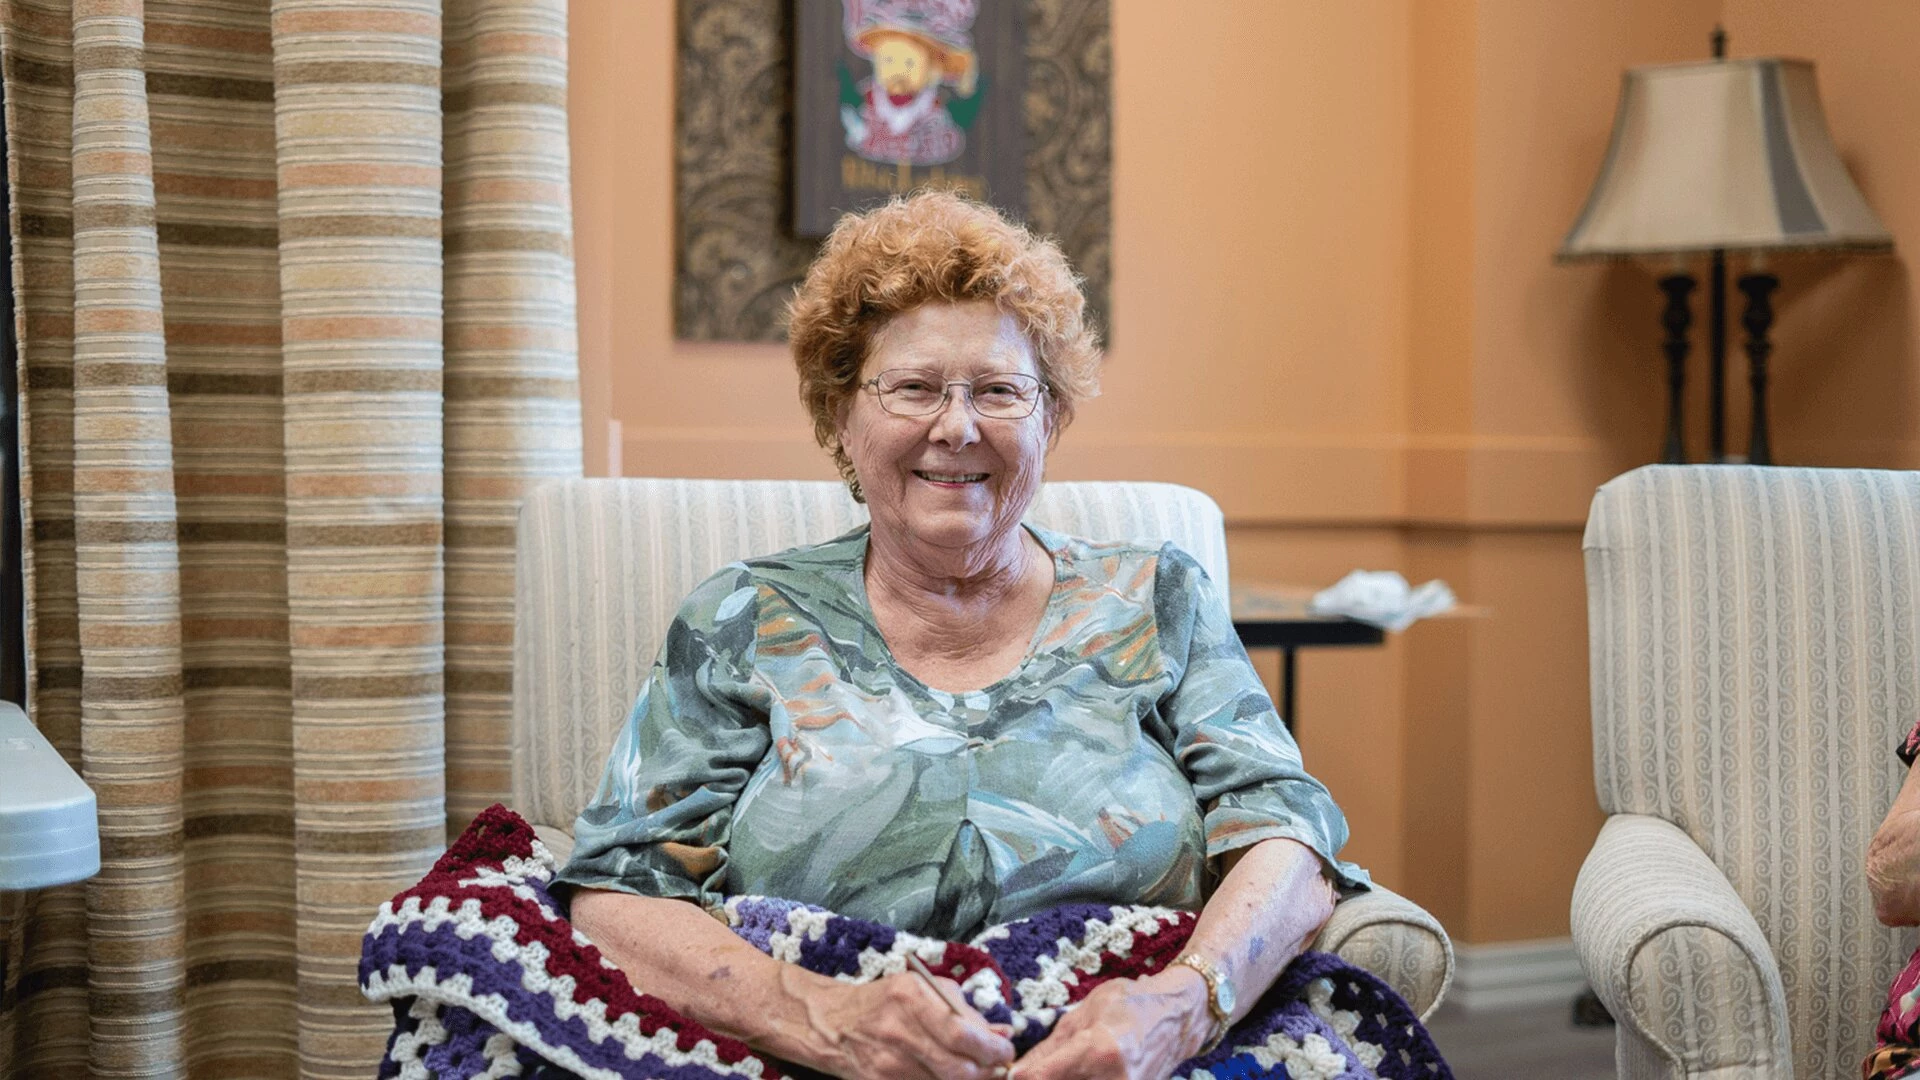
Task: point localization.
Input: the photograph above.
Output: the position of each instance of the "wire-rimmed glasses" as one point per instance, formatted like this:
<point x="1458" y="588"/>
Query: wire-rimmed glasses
<point x="999" y="395"/>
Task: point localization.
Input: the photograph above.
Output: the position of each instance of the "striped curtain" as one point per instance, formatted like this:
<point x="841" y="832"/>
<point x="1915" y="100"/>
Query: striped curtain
<point x="295" y="307"/>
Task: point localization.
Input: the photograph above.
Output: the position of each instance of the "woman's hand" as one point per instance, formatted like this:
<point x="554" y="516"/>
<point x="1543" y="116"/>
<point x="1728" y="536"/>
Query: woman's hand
<point x="1127" y="1029"/>
<point x="897" y="1028"/>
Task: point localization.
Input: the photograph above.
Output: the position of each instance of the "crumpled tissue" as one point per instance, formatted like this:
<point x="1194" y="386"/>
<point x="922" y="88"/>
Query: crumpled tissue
<point x="1382" y="598"/>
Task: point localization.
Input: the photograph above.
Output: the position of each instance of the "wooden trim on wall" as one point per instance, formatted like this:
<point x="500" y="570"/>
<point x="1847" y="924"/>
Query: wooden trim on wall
<point x="1381" y="481"/>
<point x="1257" y="480"/>
<point x="1507" y="482"/>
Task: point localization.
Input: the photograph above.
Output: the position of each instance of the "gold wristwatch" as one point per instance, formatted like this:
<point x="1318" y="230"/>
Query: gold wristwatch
<point x="1220" y="999"/>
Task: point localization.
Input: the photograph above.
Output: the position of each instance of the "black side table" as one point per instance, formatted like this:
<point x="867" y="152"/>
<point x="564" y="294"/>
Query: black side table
<point x="1276" y="617"/>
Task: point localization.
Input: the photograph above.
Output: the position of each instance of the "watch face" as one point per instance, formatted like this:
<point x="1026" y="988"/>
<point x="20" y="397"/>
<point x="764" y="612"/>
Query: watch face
<point x="1223" y="994"/>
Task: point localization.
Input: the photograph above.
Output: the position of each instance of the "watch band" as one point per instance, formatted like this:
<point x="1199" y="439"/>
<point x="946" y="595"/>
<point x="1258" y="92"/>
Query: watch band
<point x="1219" y="1011"/>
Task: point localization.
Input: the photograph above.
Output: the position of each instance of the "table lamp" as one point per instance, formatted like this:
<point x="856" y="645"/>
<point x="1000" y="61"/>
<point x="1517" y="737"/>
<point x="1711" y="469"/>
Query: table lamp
<point x="1711" y="157"/>
<point x="49" y="822"/>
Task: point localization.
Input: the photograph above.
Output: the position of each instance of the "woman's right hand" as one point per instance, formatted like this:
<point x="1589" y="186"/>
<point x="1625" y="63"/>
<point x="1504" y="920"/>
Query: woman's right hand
<point x="896" y="1028"/>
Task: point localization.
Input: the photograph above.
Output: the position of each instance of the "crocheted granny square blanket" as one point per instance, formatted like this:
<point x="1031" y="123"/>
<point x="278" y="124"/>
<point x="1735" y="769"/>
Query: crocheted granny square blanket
<point x="488" y="979"/>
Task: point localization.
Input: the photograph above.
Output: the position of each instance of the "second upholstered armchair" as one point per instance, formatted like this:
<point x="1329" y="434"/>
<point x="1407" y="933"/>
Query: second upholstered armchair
<point x="1753" y="637"/>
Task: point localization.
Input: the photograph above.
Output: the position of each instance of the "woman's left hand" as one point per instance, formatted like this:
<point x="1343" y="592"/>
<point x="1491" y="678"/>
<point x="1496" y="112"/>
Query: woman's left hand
<point x="1127" y="1029"/>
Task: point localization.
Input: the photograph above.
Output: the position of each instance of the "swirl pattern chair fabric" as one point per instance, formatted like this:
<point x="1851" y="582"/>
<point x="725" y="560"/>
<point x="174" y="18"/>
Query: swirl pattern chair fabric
<point x="1752" y="636"/>
<point x="604" y="564"/>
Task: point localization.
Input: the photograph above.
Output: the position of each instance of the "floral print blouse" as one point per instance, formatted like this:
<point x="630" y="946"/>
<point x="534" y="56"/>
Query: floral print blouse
<point x="778" y="749"/>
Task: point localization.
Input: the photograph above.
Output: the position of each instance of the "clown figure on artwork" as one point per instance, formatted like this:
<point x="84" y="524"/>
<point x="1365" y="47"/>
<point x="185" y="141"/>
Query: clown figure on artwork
<point x="922" y="54"/>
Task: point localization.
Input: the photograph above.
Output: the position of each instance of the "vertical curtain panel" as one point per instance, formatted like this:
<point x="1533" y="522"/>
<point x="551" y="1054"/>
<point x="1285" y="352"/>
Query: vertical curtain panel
<point x="296" y="315"/>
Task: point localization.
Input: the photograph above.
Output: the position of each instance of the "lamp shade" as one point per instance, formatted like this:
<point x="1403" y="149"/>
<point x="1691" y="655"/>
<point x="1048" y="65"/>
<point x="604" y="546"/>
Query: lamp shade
<point x="1731" y="154"/>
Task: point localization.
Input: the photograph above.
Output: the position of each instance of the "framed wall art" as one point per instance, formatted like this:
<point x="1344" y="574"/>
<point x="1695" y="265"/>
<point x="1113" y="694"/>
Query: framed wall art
<point x="790" y="112"/>
<point x="893" y="95"/>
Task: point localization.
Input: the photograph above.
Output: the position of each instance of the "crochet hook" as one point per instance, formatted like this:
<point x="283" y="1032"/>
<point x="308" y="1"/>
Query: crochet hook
<point x="926" y="976"/>
<point x="914" y="965"/>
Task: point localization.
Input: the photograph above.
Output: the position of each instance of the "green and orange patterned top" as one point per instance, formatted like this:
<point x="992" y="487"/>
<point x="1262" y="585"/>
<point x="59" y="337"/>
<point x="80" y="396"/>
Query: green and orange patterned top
<point x="778" y="749"/>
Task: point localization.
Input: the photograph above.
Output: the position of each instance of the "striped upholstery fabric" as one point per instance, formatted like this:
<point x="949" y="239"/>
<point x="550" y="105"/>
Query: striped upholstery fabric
<point x="1661" y="930"/>
<point x="604" y="564"/>
<point x="1753" y="666"/>
<point x="296" y="336"/>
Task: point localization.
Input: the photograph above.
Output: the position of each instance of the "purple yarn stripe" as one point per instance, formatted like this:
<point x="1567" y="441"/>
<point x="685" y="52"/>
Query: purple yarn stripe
<point x="1309" y="966"/>
<point x="447" y="953"/>
<point x="464" y="1053"/>
<point x="837" y="951"/>
<point x="1028" y="940"/>
<point x="761" y="917"/>
<point x="403" y="1024"/>
<point x="1234" y="1057"/>
<point x="1386" y="1021"/>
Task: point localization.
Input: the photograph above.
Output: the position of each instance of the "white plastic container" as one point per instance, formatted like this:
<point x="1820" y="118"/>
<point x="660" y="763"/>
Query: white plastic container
<point x="49" y="823"/>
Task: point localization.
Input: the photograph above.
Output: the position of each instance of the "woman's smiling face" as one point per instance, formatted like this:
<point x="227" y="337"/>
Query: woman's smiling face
<point x="953" y="481"/>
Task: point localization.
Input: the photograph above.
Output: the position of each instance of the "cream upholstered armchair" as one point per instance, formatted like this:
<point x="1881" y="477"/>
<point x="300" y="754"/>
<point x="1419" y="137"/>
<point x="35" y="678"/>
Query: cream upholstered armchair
<point x="1753" y="666"/>
<point x="603" y="565"/>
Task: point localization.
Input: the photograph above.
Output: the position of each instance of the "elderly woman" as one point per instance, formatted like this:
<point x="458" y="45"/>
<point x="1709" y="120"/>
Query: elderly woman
<point x="951" y="718"/>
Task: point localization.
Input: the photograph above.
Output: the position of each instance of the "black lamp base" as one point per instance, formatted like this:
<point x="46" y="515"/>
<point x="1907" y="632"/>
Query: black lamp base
<point x="1677" y="318"/>
<point x="1758" y="320"/>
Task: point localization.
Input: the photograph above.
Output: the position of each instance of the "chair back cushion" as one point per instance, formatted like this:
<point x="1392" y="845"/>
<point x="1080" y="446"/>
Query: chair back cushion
<point x="1752" y="637"/>
<point x="603" y="565"/>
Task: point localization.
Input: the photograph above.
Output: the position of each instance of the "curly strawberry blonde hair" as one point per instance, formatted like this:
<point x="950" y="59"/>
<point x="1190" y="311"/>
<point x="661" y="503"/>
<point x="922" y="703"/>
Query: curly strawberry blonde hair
<point x="926" y="247"/>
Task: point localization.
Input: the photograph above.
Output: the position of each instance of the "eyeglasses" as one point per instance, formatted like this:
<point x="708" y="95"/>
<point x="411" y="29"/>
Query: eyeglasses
<point x="1003" y="395"/>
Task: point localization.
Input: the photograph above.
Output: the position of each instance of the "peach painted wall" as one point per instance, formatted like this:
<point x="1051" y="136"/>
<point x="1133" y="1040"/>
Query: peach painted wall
<point x="1336" y="313"/>
<point x="1547" y="385"/>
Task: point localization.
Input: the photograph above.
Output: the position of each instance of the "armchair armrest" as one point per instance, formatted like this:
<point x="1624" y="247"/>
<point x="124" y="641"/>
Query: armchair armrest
<point x="1677" y="958"/>
<point x="1396" y="939"/>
